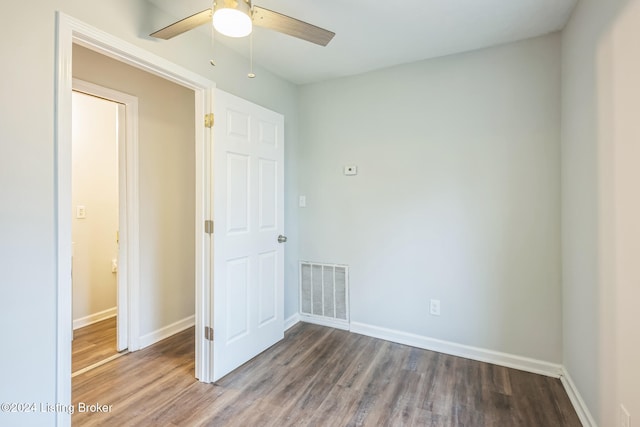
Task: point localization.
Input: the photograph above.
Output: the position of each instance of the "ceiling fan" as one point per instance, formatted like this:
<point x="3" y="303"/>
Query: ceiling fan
<point x="234" y="18"/>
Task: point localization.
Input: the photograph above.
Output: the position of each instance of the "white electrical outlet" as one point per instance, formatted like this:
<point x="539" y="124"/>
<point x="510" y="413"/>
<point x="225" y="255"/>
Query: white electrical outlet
<point x="81" y="212"/>
<point x="302" y="201"/>
<point x="434" y="307"/>
<point x="624" y="417"/>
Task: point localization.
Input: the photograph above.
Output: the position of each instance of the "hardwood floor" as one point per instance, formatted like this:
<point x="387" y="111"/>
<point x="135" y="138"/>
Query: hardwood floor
<point x="319" y="376"/>
<point x="93" y="343"/>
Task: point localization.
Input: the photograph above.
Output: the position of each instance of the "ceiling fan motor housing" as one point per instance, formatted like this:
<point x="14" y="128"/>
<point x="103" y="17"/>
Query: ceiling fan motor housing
<point x="242" y="5"/>
<point x="232" y="17"/>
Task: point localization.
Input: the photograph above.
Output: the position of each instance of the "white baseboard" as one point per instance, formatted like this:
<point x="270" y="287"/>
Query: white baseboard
<point x="291" y="321"/>
<point x="167" y="331"/>
<point x="460" y="350"/>
<point x="338" y="324"/>
<point x="95" y="318"/>
<point x="576" y="399"/>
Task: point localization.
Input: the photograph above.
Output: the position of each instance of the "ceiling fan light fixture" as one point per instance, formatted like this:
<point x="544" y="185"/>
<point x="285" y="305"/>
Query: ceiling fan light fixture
<point x="232" y="18"/>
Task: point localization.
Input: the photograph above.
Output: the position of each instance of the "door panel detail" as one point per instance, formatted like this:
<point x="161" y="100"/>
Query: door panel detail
<point x="267" y="286"/>
<point x="268" y="134"/>
<point x="237" y="193"/>
<point x="248" y="277"/>
<point x="237" y="298"/>
<point x="268" y="198"/>
<point x="238" y="125"/>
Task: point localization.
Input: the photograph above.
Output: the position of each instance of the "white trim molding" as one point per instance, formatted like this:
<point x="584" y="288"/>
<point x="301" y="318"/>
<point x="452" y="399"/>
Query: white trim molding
<point x="576" y="399"/>
<point x="325" y="321"/>
<point x="460" y="350"/>
<point x="291" y="321"/>
<point x="95" y="318"/>
<point x="167" y="331"/>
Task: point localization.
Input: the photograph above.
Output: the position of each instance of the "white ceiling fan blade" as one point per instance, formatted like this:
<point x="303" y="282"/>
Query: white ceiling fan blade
<point x="183" y="25"/>
<point x="294" y="27"/>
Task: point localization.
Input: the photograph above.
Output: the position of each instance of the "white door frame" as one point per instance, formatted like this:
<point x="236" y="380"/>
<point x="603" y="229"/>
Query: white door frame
<point x="69" y="31"/>
<point x="128" y="212"/>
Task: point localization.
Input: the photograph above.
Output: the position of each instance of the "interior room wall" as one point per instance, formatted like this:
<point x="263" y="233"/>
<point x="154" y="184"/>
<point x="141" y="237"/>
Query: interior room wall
<point x="166" y="135"/>
<point x="27" y="174"/>
<point x="456" y="196"/>
<point x="95" y="187"/>
<point x="600" y="210"/>
<point x="626" y="178"/>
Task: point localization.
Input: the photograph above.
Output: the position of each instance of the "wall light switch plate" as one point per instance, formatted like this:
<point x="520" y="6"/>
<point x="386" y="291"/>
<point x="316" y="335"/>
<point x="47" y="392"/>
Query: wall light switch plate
<point x="302" y="201"/>
<point x="81" y="212"/>
<point x="351" y="170"/>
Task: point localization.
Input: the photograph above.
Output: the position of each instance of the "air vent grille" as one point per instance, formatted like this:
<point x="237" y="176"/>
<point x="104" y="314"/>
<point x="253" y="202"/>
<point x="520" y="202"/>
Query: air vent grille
<point x="324" y="294"/>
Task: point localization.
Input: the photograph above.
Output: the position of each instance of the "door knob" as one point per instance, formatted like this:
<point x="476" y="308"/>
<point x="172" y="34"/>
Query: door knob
<point x="282" y="239"/>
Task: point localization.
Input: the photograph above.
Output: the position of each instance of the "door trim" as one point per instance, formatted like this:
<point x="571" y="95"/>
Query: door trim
<point x="128" y="214"/>
<point x="69" y="31"/>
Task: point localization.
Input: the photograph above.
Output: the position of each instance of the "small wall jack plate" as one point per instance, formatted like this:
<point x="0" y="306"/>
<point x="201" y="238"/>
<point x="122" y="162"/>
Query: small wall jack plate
<point x="351" y="170"/>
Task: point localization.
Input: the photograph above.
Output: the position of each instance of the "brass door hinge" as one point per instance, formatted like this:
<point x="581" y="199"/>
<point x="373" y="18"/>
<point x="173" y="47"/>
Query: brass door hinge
<point x="208" y="226"/>
<point x="208" y="333"/>
<point x="208" y="120"/>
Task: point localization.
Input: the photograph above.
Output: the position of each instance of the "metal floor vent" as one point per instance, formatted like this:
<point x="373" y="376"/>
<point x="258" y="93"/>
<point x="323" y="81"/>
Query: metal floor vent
<point x="324" y="294"/>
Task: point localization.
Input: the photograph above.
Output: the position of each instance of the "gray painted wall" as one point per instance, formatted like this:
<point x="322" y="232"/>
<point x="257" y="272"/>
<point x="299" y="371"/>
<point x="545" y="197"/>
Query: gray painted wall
<point x="456" y="198"/>
<point x="580" y="206"/>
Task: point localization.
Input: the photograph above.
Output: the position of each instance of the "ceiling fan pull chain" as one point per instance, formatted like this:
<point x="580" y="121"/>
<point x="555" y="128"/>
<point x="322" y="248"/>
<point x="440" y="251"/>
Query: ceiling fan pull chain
<point x="251" y="75"/>
<point x="213" y="38"/>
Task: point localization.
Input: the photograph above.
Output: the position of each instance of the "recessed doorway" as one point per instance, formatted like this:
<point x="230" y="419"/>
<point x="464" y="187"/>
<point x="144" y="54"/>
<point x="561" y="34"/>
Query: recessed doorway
<point x="100" y="306"/>
<point x="71" y="32"/>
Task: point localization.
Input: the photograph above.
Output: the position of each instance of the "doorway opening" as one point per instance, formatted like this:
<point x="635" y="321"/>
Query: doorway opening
<point x="160" y="161"/>
<point x="71" y="32"/>
<point x="104" y="229"/>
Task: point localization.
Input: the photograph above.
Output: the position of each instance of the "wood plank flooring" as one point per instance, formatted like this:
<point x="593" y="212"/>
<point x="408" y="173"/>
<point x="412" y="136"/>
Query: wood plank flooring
<point x="93" y="343"/>
<point x="320" y="376"/>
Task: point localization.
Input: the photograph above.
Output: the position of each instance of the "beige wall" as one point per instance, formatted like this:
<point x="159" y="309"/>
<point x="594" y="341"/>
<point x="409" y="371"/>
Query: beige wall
<point x="167" y="186"/>
<point x="94" y="186"/>
<point x="626" y="206"/>
<point x="601" y="209"/>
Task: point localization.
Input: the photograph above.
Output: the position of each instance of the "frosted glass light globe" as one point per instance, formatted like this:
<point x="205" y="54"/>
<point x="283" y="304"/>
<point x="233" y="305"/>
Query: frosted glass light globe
<point x="232" y="22"/>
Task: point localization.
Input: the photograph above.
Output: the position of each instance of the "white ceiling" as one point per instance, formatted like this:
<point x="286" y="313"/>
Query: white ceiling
<point x="376" y="34"/>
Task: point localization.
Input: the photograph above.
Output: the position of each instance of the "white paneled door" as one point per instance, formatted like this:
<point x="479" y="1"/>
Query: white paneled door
<point x="248" y="253"/>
